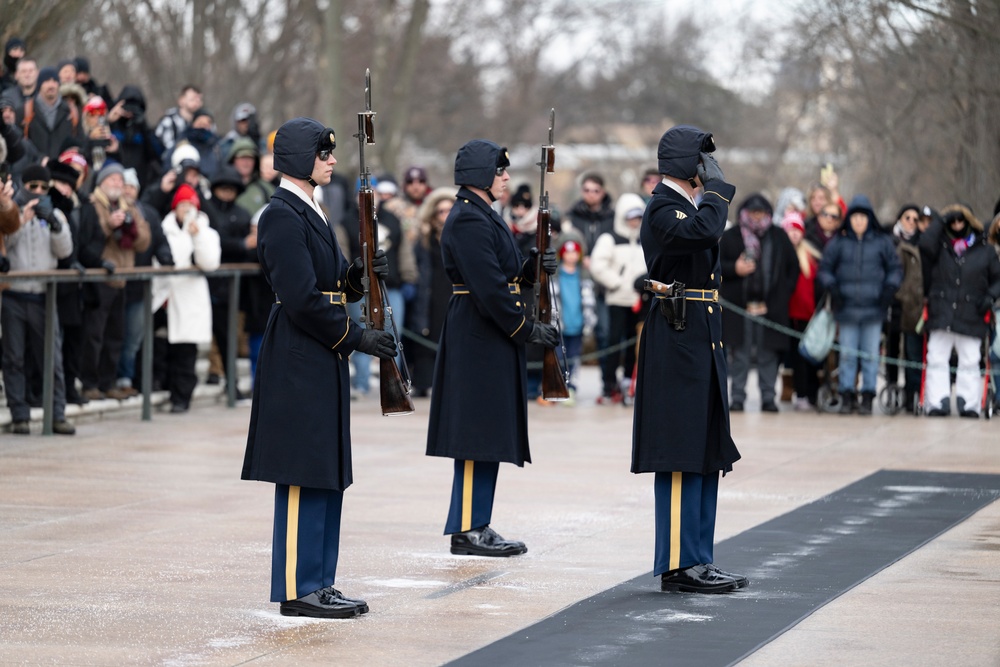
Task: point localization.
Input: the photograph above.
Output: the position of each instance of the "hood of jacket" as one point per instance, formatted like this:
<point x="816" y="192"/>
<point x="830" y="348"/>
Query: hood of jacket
<point x="626" y="203"/>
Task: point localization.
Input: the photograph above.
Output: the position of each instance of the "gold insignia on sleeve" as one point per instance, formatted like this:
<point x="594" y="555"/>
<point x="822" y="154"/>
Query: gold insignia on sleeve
<point x="681" y="215"/>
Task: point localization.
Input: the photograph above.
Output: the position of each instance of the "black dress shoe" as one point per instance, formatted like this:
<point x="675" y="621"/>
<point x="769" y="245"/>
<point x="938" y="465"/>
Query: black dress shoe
<point x="736" y="406"/>
<point x="360" y="604"/>
<point x="698" y="579"/>
<point x="969" y="413"/>
<point x="769" y="407"/>
<point x="320" y="604"/>
<point x="741" y="581"/>
<point x="485" y="542"/>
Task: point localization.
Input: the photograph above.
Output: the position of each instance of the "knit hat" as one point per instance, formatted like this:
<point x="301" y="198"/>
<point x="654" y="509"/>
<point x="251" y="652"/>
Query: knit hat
<point x="793" y="220"/>
<point x="386" y="188"/>
<point x="47" y="74"/>
<point x="415" y="174"/>
<point x="568" y="246"/>
<point x="76" y="159"/>
<point x="185" y="193"/>
<point x="109" y="169"/>
<point x="64" y="173"/>
<point x="36" y="172"/>
<point x="521" y="196"/>
<point x="131" y="177"/>
<point x="82" y="64"/>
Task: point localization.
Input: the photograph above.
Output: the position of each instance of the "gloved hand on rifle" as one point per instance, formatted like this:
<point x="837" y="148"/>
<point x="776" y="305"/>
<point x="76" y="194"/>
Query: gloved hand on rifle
<point x="709" y="169"/>
<point x="378" y="343"/>
<point x="550" y="263"/>
<point x="380" y="265"/>
<point x="543" y="334"/>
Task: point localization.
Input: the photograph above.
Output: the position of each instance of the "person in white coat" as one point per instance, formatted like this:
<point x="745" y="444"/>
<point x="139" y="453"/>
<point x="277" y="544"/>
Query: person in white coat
<point x="616" y="262"/>
<point x="184" y="301"/>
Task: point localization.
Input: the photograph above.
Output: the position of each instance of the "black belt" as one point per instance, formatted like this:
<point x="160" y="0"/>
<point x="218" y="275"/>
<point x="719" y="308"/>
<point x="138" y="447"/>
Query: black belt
<point x="336" y="298"/>
<point x="461" y="288"/>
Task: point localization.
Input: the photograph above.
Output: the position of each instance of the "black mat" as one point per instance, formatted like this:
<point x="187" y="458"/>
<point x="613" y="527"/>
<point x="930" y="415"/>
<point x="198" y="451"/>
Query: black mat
<point x="796" y="564"/>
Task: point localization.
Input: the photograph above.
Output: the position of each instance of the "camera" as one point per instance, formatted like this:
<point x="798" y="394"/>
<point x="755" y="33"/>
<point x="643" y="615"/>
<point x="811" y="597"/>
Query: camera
<point x="129" y="220"/>
<point x="4" y="173"/>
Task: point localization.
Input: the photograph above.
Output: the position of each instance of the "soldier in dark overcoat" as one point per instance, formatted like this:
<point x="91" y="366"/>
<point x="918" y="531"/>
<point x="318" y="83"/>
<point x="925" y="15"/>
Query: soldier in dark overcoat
<point x="681" y="426"/>
<point x="479" y="414"/>
<point x="300" y="423"/>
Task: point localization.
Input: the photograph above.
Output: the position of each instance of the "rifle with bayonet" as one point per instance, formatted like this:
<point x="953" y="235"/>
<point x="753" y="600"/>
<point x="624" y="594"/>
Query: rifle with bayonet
<point x="376" y="313"/>
<point x="554" y="377"/>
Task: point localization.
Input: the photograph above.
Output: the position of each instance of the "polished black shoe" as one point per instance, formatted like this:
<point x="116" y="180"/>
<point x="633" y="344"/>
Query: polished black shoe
<point x="741" y="581"/>
<point x="698" y="579"/>
<point x="20" y="428"/>
<point x="969" y="413"/>
<point x="847" y="404"/>
<point x="485" y="542"/>
<point x="179" y="408"/>
<point x="769" y="407"/>
<point x="63" y="428"/>
<point x="937" y="412"/>
<point x="736" y="406"/>
<point x="320" y="604"/>
<point x="360" y="604"/>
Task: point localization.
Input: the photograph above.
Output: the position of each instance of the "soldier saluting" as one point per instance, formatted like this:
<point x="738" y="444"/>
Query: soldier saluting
<point x="479" y="414"/>
<point x="681" y="428"/>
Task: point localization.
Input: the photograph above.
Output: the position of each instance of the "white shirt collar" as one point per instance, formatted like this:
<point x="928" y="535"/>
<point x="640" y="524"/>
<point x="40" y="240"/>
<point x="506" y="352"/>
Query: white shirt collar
<point x="301" y="194"/>
<point x="676" y="188"/>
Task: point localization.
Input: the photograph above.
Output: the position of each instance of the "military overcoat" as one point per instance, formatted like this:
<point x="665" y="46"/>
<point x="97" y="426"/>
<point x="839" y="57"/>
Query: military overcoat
<point x="479" y="398"/>
<point x="681" y="409"/>
<point x="300" y="419"/>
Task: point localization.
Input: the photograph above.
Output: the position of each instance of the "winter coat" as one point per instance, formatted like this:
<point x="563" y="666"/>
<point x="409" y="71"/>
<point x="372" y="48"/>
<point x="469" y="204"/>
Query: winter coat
<point x="232" y="223"/>
<point x="138" y="147"/>
<point x="779" y="268"/>
<point x="616" y="259"/>
<point x="681" y="419"/>
<point x="860" y="272"/>
<point x="300" y="418"/>
<point x="908" y="306"/>
<point x="591" y="224"/>
<point x="49" y="140"/>
<point x="33" y="247"/>
<point x="189" y="306"/>
<point x="962" y="288"/>
<point x="481" y="357"/>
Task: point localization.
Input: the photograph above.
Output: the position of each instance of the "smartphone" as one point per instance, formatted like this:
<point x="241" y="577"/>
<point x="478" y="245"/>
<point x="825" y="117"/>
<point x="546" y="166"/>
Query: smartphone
<point x="4" y="173"/>
<point x="825" y="173"/>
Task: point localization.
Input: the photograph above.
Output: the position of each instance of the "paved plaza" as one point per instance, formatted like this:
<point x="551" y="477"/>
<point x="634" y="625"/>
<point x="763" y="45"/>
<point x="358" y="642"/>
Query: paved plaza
<point x="136" y="543"/>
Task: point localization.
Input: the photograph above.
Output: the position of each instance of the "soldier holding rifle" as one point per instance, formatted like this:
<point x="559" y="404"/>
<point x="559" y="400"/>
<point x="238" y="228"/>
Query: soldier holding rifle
<point x="479" y="413"/>
<point x="299" y="435"/>
<point x="681" y="426"/>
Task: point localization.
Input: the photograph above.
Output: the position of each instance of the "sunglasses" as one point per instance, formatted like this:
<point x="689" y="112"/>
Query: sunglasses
<point x="500" y="171"/>
<point x="37" y="186"/>
<point x="443" y="211"/>
<point x="324" y="154"/>
<point x="824" y="214"/>
<point x="957" y="218"/>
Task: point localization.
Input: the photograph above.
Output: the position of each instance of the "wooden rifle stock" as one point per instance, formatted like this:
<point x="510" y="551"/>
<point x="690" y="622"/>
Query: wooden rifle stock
<point x="553" y="376"/>
<point x="394" y="390"/>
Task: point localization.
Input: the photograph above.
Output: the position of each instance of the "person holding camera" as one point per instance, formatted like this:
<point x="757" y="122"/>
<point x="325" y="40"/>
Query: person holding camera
<point x="112" y="231"/>
<point x="681" y="431"/>
<point x="42" y="239"/>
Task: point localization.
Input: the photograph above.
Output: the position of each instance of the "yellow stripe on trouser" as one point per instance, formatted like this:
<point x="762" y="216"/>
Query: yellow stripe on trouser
<point x="467" y="498"/>
<point x="292" y="543"/>
<point x="675" y="520"/>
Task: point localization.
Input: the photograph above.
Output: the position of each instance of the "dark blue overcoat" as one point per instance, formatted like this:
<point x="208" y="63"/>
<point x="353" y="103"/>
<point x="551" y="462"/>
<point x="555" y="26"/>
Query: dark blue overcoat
<point x="681" y="408"/>
<point x="300" y="419"/>
<point x="479" y="399"/>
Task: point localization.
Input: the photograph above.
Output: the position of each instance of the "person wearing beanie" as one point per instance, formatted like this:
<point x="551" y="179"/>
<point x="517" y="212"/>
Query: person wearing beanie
<point x="244" y="156"/>
<point x="482" y="357"/>
<point x="42" y="239"/>
<point x="759" y="273"/>
<point x="48" y="118"/>
<point x="183" y="303"/>
<point x="13" y="51"/>
<point x="682" y="432"/>
<point x="299" y="437"/>
<point x="861" y="272"/>
<point x="964" y="287"/>
<point x="200" y="134"/>
<point x="112" y="231"/>
<point x="801" y="307"/>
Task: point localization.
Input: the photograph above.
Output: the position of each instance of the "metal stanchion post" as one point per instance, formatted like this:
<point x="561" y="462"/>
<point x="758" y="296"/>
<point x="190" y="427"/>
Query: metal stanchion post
<point x="231" y="335"/>
<point x="49" y="366"/>
<point x="147" y="349"/>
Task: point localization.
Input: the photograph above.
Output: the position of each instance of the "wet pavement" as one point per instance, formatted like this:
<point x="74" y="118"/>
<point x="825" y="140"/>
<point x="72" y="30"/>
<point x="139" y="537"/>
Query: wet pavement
<point x="136" y="542"/>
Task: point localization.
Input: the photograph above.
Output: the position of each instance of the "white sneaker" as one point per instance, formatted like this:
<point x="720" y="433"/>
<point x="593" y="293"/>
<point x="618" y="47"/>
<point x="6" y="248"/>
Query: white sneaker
<point x="801" y="404"/>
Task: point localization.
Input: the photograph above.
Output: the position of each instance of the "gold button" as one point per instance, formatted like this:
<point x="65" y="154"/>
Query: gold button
<point x="710" y="310"/>
<point x="338" y="284"/>
<point x="466" y="201"/>
<point x="712" y="276"/>
<point x="720" y="343"/>
<point x="713" y="346"/>
<point x="518" y="304"/>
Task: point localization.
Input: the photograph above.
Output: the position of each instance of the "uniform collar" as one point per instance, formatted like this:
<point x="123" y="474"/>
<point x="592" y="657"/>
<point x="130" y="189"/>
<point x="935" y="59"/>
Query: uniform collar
<point x="679" y="190"/>
<point x="301" y="194"/>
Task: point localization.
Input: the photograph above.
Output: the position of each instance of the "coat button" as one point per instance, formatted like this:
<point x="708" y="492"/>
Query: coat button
<point x="720" y="343"/>
<point x="517" y="303"/>
<point x="713" y="346"/>
<point x="712" y="277"/>
<point x="710" y="310"/>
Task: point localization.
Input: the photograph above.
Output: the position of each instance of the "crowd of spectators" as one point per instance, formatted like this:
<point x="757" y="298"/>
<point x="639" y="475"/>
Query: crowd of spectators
<point x="90" y="182"/>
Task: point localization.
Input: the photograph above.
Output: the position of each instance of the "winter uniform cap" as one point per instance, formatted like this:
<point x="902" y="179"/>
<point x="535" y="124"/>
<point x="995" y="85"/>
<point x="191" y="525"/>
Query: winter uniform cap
<point x="131" y="177"/>
<point x="228" y="176"/>
<point x="35" y="172"/>
<point x="64" y="173"/>
<point x="477" y="161"/>
<point x="47" y="74"/>
<point x="185" y="193"/>
<point x="679" y="149"/>
<point x="109" y="169"/>
<point x="296" y="145"/>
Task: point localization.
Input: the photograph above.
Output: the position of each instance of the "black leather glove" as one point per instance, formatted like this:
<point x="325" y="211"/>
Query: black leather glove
<point x="709" y="169"/>
<point x="78" y="267"/>
<point x="4" y="264"/>
<point x="550" y="264"/>
<point x="54" y="223"/>
<point x="107" y="266"/>
<point x="543" y="334"/>
<point x="377" y="343"/>
<point x="985" y="304"/>
<point x="380" y="265"/>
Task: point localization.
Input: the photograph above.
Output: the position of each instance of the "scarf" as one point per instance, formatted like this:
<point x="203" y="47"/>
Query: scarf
<point x="900" y="233"/>
<point x="752" y="232"/>
<point x="960" y="245"/>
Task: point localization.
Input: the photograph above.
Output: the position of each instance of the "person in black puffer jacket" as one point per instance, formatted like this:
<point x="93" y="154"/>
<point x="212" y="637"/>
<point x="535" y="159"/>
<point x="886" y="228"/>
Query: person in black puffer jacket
<point x="964" y="282"/>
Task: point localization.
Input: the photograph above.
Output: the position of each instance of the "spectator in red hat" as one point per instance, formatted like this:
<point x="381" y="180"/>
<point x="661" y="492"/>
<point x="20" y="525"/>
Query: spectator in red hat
<point x="183" y="303"/>
<point x="801" y="307"/>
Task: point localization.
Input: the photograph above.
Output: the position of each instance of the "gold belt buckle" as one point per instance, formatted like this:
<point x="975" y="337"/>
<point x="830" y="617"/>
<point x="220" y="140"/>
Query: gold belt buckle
<point x="515" y="288"/>
<point x="337" y="298"/>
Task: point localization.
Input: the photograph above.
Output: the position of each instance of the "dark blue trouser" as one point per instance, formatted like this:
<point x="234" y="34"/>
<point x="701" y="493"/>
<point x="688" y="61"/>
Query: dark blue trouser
<point x="306" y="540"/>
<point x="685" y="519"/>
<point x="472" y="494"/>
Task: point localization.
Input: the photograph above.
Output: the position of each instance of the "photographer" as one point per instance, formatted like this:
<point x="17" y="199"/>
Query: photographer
<point x="41" y="241"/>
<point x="112" y="231"/>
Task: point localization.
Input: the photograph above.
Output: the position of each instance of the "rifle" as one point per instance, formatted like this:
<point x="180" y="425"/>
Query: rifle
<point x="554" y="377"/>
<point x="394" y="390"/>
